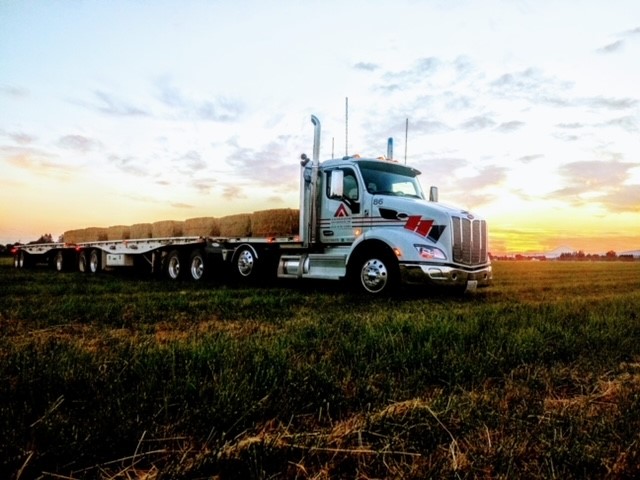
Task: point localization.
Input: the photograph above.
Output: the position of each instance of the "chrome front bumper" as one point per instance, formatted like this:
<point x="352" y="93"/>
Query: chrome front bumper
<point x="446" y="275"/>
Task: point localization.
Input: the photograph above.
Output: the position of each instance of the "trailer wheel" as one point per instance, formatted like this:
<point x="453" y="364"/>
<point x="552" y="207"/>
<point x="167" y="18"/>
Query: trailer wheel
<point x="20" y="260"/>
<point x="59" y="261"/>
<point x="197" y="268"/>
<point x="95" y="261"/>
<point x="83" y="262"/>
<point x="376" y="272"/>
<point x="172" y="265"/>
<point x="246" y="265"/>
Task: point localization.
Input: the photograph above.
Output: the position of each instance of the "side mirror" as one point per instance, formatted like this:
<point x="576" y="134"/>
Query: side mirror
<point x="433" y="194"/>
<point x="336" y="188"/>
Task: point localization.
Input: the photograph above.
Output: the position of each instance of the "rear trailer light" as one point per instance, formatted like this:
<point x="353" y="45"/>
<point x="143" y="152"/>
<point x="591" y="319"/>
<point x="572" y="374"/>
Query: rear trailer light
<point x="430" y="253"/>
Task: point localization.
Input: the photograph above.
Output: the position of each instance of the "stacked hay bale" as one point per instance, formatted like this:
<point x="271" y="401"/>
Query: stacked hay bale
<point x="166" y="228"/>
<point x="236" y="225"/>
<point x="73" y="236"/>
<point x="201" y="227"/>
<point x="277" y="222"/>
<point x="95" y="234"/>
<point x="118" y="232"/>
<point x="140" y="230"/>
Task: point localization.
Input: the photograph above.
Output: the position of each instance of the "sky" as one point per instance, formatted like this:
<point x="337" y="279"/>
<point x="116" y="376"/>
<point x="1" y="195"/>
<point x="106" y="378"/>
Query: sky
<point x="121" y="112"/>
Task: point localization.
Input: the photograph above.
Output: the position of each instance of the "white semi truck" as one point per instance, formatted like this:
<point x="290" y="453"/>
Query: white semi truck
<point x="362" y="220"/>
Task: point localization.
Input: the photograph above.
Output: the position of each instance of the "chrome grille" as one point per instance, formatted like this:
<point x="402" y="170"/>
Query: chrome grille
<point x="469" y="241"/>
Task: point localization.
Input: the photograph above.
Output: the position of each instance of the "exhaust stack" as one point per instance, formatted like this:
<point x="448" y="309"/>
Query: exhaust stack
<point x="390" y="148"/>
<point x="308" y="188"/>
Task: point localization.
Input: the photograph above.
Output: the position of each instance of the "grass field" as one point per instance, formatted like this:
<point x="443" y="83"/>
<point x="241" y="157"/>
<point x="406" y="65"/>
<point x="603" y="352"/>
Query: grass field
<point x="114" y="376"/>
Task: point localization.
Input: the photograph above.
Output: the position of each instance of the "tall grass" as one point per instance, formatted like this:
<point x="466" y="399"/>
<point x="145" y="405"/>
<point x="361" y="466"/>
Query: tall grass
<point x="538" y="377"/>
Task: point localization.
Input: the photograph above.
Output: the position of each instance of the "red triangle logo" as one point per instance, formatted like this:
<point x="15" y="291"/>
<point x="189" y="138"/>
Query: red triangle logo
<point x="341" y="211"/>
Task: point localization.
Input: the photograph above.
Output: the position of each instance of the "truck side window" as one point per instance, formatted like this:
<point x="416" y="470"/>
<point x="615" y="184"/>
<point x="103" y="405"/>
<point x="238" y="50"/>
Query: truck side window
<point x="349" y="185"/>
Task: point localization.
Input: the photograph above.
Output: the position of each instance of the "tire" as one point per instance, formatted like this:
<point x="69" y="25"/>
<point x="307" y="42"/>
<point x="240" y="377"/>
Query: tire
<point x="59" y="261"/>
<point x="83" y="262"/>
<point x="95" y="261"/>
<point x="376" y="273"/>
<point x="173" y="265"/>
<point x="197" y="265"/>
<point x="246" y="266"/>
<point x="20" y="260"/>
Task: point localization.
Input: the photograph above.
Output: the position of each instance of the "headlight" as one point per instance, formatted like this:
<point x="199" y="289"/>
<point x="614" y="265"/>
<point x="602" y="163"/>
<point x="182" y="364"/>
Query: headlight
<point x="430" y="253"/>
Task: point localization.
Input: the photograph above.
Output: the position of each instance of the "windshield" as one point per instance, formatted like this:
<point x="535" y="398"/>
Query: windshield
<point x="383" y="178"/>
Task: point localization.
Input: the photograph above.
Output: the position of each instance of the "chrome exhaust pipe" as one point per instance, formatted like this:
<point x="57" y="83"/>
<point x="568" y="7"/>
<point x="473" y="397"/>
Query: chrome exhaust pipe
<point x="308" y="186"/>
<point x="390" y="148"/>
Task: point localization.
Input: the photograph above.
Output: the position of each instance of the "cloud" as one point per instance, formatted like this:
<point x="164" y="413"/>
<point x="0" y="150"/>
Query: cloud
<point x="190" y="163"/>
<point x="221" y="109"/>
<point x="110" y="104"/>
<point x="234" y="192"/>
<point x="35" y="161"/>
<point x="609" y="103"/>
<point x="600" y="182"/>
<point x="625" y="198"/>
<point x="628" y="123"/>
<point x="422" y="68"/>
<point x="129" y="165"/>
<point x="13" y="92"/>
<point x="203" y="185"/>
<point x="531" y="84"/>
<point x="508" y="127"/>
<point x="612" y="47"/>
<point x="79" y="143"/>
<point x="487" y="177"/>
<point x="22" y="138"/>
<point x="181" y="205"/>
<point x="479" y="122"/>
<point x="273" y="170"/>
<point x="367" y="67"/>
<point x="530" y="158"/>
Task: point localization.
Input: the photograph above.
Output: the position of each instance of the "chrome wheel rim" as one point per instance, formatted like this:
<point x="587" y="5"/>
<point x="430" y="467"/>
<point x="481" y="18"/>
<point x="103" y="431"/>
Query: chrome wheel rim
<point x="245" y="263"/>
<point x="197" y="267"/>
<point x="374" y="275"/>
<point x="173" y="268"/>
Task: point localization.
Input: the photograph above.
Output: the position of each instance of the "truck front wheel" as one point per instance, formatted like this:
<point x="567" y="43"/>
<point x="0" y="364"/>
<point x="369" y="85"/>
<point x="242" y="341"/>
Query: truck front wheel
<point x="376" y="273"/>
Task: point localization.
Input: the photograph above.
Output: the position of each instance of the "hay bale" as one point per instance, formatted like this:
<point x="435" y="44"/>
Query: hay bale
<point x="95" y="234"/>
<point x="119" y="232"/>
<point x="140" y="230"/>
<point x="73" y="236"/>
<point x="166" y="228"/>
<point x="201" y="227"/>
<point x="236" y="225"/>
<point x="277" y="222"/>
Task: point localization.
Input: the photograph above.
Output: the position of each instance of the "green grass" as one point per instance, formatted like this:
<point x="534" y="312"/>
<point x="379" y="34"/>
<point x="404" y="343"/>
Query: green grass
<point x="536" y="377"/>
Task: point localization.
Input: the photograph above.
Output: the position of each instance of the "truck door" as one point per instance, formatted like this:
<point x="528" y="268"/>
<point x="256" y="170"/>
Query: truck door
<point x="342" y="213"/>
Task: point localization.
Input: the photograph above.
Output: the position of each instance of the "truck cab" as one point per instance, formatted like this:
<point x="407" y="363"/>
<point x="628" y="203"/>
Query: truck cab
<point x="369" y="220"/>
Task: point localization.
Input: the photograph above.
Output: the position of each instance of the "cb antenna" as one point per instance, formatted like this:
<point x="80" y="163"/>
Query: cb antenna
<point x="406" y="137"/>
<point x="346" y="126"/>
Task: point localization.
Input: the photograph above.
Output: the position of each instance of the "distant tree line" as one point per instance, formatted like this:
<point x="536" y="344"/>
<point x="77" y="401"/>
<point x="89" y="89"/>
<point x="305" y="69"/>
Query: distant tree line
<point x="578" y="256"/>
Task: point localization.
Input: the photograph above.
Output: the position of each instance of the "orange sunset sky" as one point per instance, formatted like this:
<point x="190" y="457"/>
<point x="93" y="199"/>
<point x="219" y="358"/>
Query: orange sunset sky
<point x="120" y="112"/>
